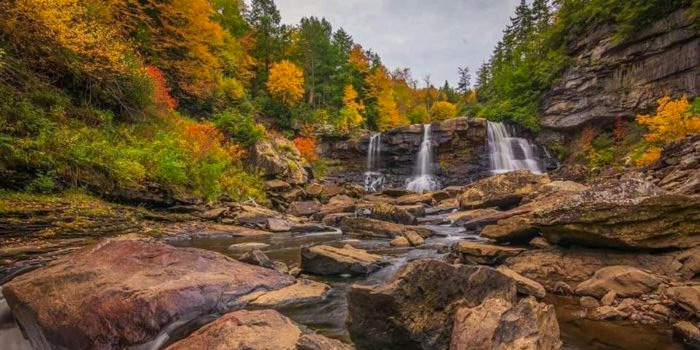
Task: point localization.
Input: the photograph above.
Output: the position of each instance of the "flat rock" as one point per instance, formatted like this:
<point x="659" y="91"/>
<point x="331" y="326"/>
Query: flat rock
<point x="337" y="204"/>
<point x="461" y="217"/>
<point x="513" y="229"/>
<point x="523" y="284"/>
<point x="502" y="190"/>
<point x="625" y="281"/>
<point x="255" y="330"/>
<point x="366" y="227"/>
<point x="129" y="292"/>
<point x="400" y="241"/>
<point x="277" y="185"/>
<point x="246" y="247"/>
<point x="327" y="260"/>
<point x="688" y="333"/>
<point x="414" y="198"/>
<point x="482" y="253"/>
<point x="302" y="292"/>
<point x="504" y="325"/>
<point x="278" y="225"/>
<point x="304" y="208"/>
<point x="412" y="311"/>
<point x="687" y="297"/>
<point x="589" y="302"/>
<point x="414" y="238"/>
<point x="392" y="213"/>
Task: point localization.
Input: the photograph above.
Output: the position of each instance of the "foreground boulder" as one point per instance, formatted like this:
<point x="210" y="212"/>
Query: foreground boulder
<point x="412" y="311"/>
<point x="504" y="190"/>
<point x="498" y="324"/>
<point x="326" y="260"/>
<point x="625" y="281"/>
<point x="130" y="293"/>
<point x="255" y="330"/>
<point x="631" y="214"/>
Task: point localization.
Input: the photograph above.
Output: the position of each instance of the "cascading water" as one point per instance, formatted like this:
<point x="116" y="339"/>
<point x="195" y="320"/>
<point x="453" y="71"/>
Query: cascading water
<point x="423" y="178"/>
<point x="374" y="179"/>
<point x="508" y="153"/>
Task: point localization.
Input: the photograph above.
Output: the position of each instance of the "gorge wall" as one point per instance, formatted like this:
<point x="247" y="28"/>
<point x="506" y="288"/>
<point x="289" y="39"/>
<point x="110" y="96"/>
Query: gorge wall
<point x="609" y="79"/>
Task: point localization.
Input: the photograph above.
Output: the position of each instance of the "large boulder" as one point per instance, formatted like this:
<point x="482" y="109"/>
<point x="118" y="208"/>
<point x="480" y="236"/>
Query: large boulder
<point x="504" y="190"/>
<point x="632" y="214"/>
<point x="255" y="330"/>
<point x="412" y="311"/>
<point x="302" y="292"/>
<point x="625" y="281"/>
<point x="304" y="208"/>
<point x="392" y="213"/>
<point x="514" y="228"/>
<point x="523" y="284"/>
<point x="278" y="158"/>
<point x="327" y="260"/>
<point x="678" y="167"/>
<point x="470" y="252"/>
<point x="365" y="227"/>
<point x="498" y="324"/>
<point x="687" y="297"/>
<point x="336" y="205"/>
<point x="119" y="294"/>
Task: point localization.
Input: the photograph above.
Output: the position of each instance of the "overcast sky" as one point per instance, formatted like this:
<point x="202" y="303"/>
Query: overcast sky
<point x="429" y="36"/>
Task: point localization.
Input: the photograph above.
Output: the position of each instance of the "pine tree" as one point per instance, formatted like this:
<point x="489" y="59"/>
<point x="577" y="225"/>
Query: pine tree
<point x="464" y="80"/>
<point x="264" y="18"/>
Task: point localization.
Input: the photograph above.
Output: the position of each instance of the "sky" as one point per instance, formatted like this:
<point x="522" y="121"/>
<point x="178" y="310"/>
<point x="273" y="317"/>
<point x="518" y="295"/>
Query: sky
<point x="429" y="36"/>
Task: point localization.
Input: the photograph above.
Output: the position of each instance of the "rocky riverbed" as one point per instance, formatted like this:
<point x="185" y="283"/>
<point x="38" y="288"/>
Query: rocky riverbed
<point x="516" y="260"/>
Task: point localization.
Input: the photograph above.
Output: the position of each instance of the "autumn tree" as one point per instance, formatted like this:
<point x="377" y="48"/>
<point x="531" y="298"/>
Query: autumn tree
<point x="286" y="82"/>
<point x="381" y="90"/>
<point x="442" y="110"/>
<point x="350" y="116"/>
<point x="265" y="20"/>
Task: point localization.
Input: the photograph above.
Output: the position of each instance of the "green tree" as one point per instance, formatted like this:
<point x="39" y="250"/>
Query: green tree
<point x="264" y="18"/>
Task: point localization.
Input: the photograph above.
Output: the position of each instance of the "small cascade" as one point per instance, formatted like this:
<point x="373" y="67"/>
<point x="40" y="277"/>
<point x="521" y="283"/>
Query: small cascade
<point x="508" y="152"/>
<point x="423" y="178"/>
<point x="374" y="179"/>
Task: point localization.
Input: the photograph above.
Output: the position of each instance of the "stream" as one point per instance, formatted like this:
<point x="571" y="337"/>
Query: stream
<point x="328" y="317"/>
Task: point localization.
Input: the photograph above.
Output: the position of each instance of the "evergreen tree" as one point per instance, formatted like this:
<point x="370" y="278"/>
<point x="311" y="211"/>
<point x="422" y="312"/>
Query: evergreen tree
<point x="317" y="57"/>
<point x="464" y="80"/>
<point x="264" y="18"/>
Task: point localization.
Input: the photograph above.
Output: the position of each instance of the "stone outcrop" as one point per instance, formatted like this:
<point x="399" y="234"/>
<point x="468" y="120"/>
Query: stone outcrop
<point x="256" y="330"/>
<point x="483" y="254"/>
<point x="134" y="293"/>
<point x="392" y="213"/>
<point x="278" y="158"/>
<point x="504" y="190"/>
<point x="609" y="79"/>
<point x="498" y="324"/>
<point x="412" y="311"/>
<point x="678" y="169"/>
<point x="687" y="297"/>
<point x="327" y="260"/>
<point x="365" y="227"/>
<point x="523" y="284"/>
<point x="625" y="281"/>
<point x="301" y="292"/>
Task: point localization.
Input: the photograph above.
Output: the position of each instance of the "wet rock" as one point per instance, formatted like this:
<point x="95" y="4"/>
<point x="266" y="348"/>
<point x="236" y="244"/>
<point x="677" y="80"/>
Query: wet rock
<point x="625" y="281"/>
<point x="687" y="297"/>
<point x="255" y="330"/>
<point x="461" y="217"/>
<point x="303" y="291"/>
<point x="365" y="227"/>
<point x="501" y="324"/>
<point x="257" y="257"/>
<point x="246" y="247"/>
<point x="400" y="241"/>
<point x="589" y="302"/>
<point x="305" y="208"/>
<point x="412" y="311"/>
<point x="512" y="229"/>
<point x="609" y="298"/>
<point x="336" y="205"/>
<point x="562" y="288"/>
<point x="327" y="260"/>
<point x="135" y="292"/>
<point x="623" y="214"/>
<point x="414" y="198"/>
<point x="523" y="284"/>
<point x="278" y="225"/>
<point x="396" y="192"/>
<point x="483" y="254"/>
<point x="539" y="242"/>
<point x="335" y="220"/>
<point x="606" y="313"/>
<point x="414" y="238"/>
<point x="504" y="190"/>
<point x="688" y="333"/>
<point x="392" y="213"/>
<point x="417" y="210"/>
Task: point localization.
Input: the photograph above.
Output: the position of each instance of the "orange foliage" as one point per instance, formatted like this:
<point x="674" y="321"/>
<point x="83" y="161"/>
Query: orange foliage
<point x="162" y="91"/>
<point x="587" y="137"/>
<point x="307" y="148"/>
<point x="648" y="157"/>
<point x="203" y="138"/>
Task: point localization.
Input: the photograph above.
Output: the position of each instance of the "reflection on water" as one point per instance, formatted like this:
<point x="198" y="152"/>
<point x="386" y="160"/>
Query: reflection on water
<point x="328" y="317"/>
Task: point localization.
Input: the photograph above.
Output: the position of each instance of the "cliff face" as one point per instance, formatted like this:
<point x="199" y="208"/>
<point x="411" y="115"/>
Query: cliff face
<point x="609" y="79"/>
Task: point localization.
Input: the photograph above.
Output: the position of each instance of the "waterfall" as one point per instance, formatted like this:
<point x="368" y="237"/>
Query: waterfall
<point x="373" y="177"/>
<point x="508" y="153"/>
<point x="423" y="178"/>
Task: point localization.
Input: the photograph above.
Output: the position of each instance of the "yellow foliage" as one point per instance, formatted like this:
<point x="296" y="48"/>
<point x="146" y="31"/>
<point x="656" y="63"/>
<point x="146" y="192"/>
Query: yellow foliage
<point x="350" y="101"/>
<point x="673" y="120"/>
<point x="358" y="60"/>
<point x="649" y="156"/>
<point x="286" y="82"/>
<point x="381" y="89"/>
<point x="472" y="98"/>
<point x="442" y="110"/>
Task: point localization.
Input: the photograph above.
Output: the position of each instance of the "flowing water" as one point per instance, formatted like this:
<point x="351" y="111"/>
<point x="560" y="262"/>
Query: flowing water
<point x="374" y="179"/>
<point x="508" y="152"/>
<point x="423" y="178"/>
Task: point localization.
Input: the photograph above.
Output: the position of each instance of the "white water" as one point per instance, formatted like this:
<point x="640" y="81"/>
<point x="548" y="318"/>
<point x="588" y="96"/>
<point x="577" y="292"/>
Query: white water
<point x="373" y="177"/>
<point x="508" y="153"/>
<point x="423" y="178"/>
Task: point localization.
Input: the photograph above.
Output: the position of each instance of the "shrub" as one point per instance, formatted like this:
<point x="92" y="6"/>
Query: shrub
<point x="442" y="110"/>
<point x="307" y="148"/>
<point x="240" y="127"/>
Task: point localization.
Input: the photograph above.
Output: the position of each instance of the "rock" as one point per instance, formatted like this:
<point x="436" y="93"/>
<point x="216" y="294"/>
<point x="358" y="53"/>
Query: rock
<point x="256" y="257"/>
<point x="414" y="198"/>
<point x="335" y="220"/>
<point x="691" y="263"/>
<point x="625" y="281"/>
<point x="562" y="288"/>
<point x="609" y="298"/>
<point x="250" y="215"/>
<point x="523" y="284"/>
<point x="461" y="217"/>
<point x="677" y="169"/>
<point x="623" y="214"/>
<point x="687" y="297"/>
<point x="504" y="190"/>
<point x="589" y="302"/>
<point x="277" y="185"/>
<point x="414" y="238"/>
<point x="396" y="192"/>
<point x="688" y="333"/>
<point x="512" y="229"/>
<point x="213" y="214"/>
<point x="132" y="295"/>
<point x="606" y="313"/>
<point x="392" y="213"/>
<point x="336" y="205"/>
<point x="417" y="210"/>
<point x="305" y="208"/>
<point x="278" y="225"/>
<point x="483" y="254"/>
<point x="255" y="330"/>
<point x="365" y="227"/>
<point x="279" y="158"/>
<point x="539" y="242"/>
<point x="554" y="187"/>
<point x="400" y="241"/>
<point x="302" y="292"/>
<point x="327" y="260"/>
<point x="500" y="324"/>
<point x="412" y="311"/>
<point x="440" y="196"/>
<point x="247" y="247"/>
